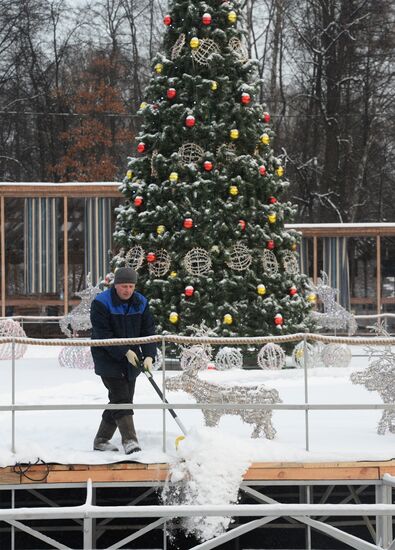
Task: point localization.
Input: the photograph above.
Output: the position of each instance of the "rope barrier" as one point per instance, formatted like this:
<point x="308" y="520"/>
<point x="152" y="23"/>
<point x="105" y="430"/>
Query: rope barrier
<point x="177" y="339"/>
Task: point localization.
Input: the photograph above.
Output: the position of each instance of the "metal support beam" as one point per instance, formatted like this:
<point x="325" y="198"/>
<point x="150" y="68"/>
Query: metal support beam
<point x="384" y="532"/>
<point x="230" y="535"/>
<point x="366" y="520"/>
<point x="139" y="533"/>
<point x="334" y="532"/>
<point x="36" y="534"/>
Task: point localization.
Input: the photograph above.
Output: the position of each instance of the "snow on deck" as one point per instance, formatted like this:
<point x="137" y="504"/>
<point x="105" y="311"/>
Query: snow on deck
<point x="66" y="437"/>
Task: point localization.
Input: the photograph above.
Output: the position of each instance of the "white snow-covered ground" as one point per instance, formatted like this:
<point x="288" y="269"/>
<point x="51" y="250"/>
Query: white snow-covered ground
<point x="66" y="436"/>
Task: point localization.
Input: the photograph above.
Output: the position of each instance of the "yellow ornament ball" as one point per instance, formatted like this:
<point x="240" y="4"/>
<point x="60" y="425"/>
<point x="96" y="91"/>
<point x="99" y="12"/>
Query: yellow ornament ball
<point x="129" y="174"/>
<point x="143" y="105"/>
<point x="159" y="68"/>
<point x="173" y="274"/>
<point x="280" y="171"/>
<point x="174" y="317"/>
<point x="265" y="139"/>
<point x="261" y="290"/>
<point x="232" y="17"/>
<point x="173" y="177"/>
<point x="272" y="218"/>
<point x="214" y="86"/>
<point x="312" y="298"/>
<point x="194" y="43"/>
<point x="160" y="229"/>
<point x="233" y="190"/>
<point x="234" y="134"/>
<point x="228" y="319"/>
<point x="294" y="246"/>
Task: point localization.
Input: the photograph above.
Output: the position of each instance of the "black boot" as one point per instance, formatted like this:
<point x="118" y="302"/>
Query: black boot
<point x="103" y="436"/>
<point x="129" y="438"/>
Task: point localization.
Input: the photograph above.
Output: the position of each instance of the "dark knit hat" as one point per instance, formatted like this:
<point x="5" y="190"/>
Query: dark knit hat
<point x="125" y="275"/>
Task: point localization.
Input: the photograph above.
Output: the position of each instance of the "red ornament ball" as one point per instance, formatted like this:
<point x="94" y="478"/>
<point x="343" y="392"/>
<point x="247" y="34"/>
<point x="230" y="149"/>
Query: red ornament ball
<point x="266" y="118"/>
<point x="262" y="170"/>
<point x="171" y="93"/>
<point x="190" y="121"/>
<point x="278" y="319"/>
<point x="167" y="20"/>
<point x="293" y="290"/>
<point x="141" y="147"/>
<point x="271" y="244"/>
<point x="242" y="224"/>
<point x="151" y="257"/>
<point x="272" y="200"/>
<point x="138" y="201"/>
<point x="208" y="165"/>
<point x="188" y="223"/>
<point x="189" y="291"/>
<point x="206" y="19"/>
<point x="245" y="98"/>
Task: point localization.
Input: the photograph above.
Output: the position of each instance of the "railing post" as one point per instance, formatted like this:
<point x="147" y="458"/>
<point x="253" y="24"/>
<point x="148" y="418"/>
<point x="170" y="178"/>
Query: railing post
<point x="13" y="396"/>
<point x="164" y="392"/>
<point x="306" y="391"/>
<point x="384" y="532"/>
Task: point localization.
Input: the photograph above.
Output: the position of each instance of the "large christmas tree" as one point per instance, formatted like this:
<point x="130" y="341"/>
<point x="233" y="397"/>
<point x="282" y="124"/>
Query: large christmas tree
<point x="203" y="221"/>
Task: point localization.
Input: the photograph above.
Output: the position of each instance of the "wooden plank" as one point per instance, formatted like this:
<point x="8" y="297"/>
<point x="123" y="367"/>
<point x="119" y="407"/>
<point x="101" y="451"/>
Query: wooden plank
<point x="79" y="190"/>
<point x="306" y="474"/>
<point x="107" y="476"/>
<point x="387" y="469"/>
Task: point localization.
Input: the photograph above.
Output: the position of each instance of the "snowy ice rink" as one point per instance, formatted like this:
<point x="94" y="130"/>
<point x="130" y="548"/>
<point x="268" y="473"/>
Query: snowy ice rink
<point x="66" y="436"/>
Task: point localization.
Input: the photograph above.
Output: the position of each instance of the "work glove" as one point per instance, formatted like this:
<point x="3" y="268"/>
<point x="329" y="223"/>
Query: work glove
<point x="148" y="364"/>
<point x="132" y="358"/>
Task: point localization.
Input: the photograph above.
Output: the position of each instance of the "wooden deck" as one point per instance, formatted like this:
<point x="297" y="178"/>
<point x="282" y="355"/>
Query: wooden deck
<point x="133" y="472"/>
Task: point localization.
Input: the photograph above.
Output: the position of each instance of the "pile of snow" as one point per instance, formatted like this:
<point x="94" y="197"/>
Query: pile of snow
<point x="208" y="470"/>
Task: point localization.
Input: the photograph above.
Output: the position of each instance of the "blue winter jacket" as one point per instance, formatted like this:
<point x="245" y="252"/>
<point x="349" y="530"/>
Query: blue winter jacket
<point x="112" y="317"/>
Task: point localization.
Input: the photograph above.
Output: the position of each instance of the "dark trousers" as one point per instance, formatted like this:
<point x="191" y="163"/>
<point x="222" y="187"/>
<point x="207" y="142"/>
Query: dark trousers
<point x="120" y="390"/>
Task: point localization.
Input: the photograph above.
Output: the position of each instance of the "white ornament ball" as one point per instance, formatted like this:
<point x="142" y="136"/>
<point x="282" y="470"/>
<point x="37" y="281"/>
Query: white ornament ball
<point x="8" y="328"/>
<point x="271" y="356"/>
<point x="298" y="355"/>
<point x="229" y="358"/>
<point x="336" y="355"/>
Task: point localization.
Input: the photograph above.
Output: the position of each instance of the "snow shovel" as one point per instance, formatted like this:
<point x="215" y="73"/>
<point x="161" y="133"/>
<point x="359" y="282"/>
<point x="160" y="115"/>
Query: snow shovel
<point x="159" y="392"/>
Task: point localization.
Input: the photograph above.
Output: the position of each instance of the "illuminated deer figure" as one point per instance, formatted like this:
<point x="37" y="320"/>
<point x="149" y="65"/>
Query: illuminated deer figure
<point x="79" y="317"/>
<point x="196" y="358"/>
<point x="334" y="315"/>
<point x="380" y="377"/>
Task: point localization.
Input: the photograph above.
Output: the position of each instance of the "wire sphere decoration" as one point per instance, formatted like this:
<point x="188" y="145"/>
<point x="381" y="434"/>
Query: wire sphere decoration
<point x="298" y="355"/>
<point x="240" y="257"/>
<point x="11" y="328"/>
<point x="238" y="49"/>
<point x="161" y="265"/>
<point x="229" y="358"/>
<point x="207" y="48"/>
<point x="270" y="263"/>
<point x="190" y="153"/>
<point x="271" y="356"/>
<point x="197" y="261"/>
<point x="75" y="357"/>
<point x="290" y="263"/>
<point x="194" y="358"/>
<point x="336" y="355"/>
<point x="135" y="257"/>
<point x="178" y="46"/>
